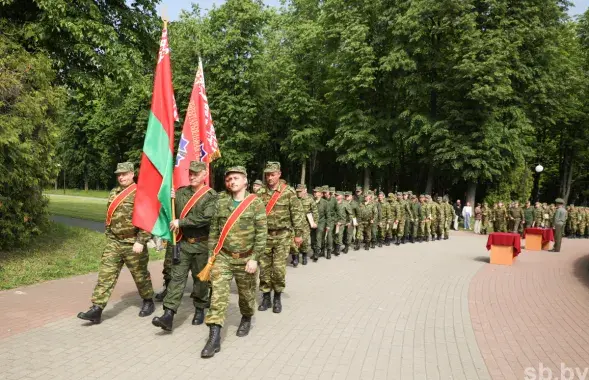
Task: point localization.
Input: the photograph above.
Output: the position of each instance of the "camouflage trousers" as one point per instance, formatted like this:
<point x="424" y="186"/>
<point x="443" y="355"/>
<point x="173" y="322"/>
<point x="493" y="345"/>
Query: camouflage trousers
<point x="114" y="256"/>
<point x="305" y="245"/>
<point x="349" y="233"/>
<point x="382" y="230"/>
<point x="440" y="227"/>
<point x="582" y="227"/>
<point x="364" y="232"/>
<point x="318" y="237"/>
<point x="447" y="227"/>
<point x="338" y="233"/>
<point x="427" y="228"/>
<point x="273" y="262"/>
<point x="374" y="231"/>
<point x="224" y="270"/>
<point x="515" y="224"/>
<point x="330" y="235"/>
<point x="500" y="227"/>
<point x="401" y="228"/>
<point x="415" y="228"/>
<point x="193" y="258"/>
<point x="485" y="226"/>
<point x="408" y="227"/>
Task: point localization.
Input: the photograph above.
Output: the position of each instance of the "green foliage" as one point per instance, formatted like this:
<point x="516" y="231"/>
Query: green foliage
<point x="30" y="110"/>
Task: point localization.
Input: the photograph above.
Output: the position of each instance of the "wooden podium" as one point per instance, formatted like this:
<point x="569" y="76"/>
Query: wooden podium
<point x="534" y="243"/>
<point x="502" y="255"/>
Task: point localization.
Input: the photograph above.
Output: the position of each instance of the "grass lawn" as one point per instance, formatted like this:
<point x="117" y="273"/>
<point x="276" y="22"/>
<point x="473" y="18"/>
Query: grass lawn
<point x="76" y="207"/>
<point x="79" y="192"/>
<point x="62" y="251"/>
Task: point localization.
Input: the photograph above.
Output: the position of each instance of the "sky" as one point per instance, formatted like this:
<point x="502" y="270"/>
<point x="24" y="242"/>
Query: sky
<point x="173" y="7"/>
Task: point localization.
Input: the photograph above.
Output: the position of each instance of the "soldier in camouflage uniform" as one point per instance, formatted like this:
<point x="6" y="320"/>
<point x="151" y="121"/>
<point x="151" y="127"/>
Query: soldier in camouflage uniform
<point x="340" y="222"/>
<point x="486" y="217"/>
<point x="257" y="186"/>
<point x="318" y="235"/>
<point x="285" y="217"/>
<point x="393" y="211"/>
<point x="238" y="258"/>
<point x="408" y="217"/>
<point x="449" y="212"/>
<point x="501" y="218"/>
<point x="401" y="215"/>
<point x="193" y="248"/>
<point x="365" y="219"/>
<point x="441" y="218"/>
<point x="349" y="221"/>
<point x="329" y="196"/>
<point x="429" y="218"/>
<point x="125" y="245"/>
<point x="383" y="218"/>
<point x="516" y="215"/>
<point x="538" y="216"/>
<point x="422" y="216"/>
<point x="551" y="212"/>
<point x="309" y="207"/>
<point x="416" y="212"/>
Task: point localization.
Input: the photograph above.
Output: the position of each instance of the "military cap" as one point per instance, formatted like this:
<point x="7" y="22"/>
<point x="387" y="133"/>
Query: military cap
<point x="445" y="198"/>
<point x="438" y="198"/>
<point x="559" y="201"/>
<point x="381" y="193"/>
<point x="421" y="195"/>
<point x="413" y="196"/>
<point x="399" y="193"/>
<point x="197" y="166"/>
<point x="404" y="193"/>
<point x="318" y="189"/>
<point x="369" y="192"/>
<point x="410" y="192"/>
<point x="390" y="195"/>
<point x="358" y="188"/>
<point x="236" y="169"/>
<point x="258" y="182"/>
<point x="346" y="193"/>
<point x="332" y="189"/>
<point x="124" y="167"/>
<point x="325" y="189"/>
<point x="341" y="193"/>
<point x="272" y="166"/>
<point x="301" y="187"/>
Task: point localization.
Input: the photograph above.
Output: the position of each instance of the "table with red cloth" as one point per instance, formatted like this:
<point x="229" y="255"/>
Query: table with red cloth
<point x="547" y="233"/>
<point x="506" y="239"/>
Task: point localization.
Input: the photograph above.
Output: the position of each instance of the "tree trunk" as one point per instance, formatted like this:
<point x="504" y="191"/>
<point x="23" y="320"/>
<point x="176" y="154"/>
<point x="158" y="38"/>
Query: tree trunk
<point x="86" y="184"/>
<point x="430" y="180"/>
<point x="303" y="171"/>
<point x="366" y="179"/>
<point x="471" y="191"/>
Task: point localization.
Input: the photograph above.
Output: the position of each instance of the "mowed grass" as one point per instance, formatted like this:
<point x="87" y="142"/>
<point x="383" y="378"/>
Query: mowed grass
<point x="79" y="192"/>
<point x="62" y="251"/>
<point x="76" y="207"/>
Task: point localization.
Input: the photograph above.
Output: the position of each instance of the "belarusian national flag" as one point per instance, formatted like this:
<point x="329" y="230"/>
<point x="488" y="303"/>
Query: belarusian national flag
<point x="153" y="206"/>
<point x="198" y="141"/>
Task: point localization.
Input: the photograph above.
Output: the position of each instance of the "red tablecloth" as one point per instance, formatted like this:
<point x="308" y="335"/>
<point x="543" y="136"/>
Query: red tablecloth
<point x="503" y="238"/>
<point x="547" y="234"/>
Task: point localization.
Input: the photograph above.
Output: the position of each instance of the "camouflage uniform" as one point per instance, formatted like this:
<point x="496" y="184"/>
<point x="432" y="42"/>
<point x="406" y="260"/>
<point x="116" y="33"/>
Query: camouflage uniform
<point x="449" y="212"/>
<point x="121" y="234"/>
<point x="318" y="235"/>
<point x="393" y="211"/>
<point x="516" y="215"/>
<point x="440" y="218"/>
<point x="486" y="217"/>
<point x="416" y="212"/>
<point x="538" y="216"/>
<point x="193" y="247"/>
<point x="247" y="237"/>
<point x="384" y="218"/>
<point x="331" y="219"/>
<point x="365" y="219"/>
<point x="401" y="215"/>
<point x="501" y="219"/>
<point x="287" y="215"/>
<point x="309" y="207"/>
<point x="408" y="217"/>
<point x="341" y="219"/>
<point x="350" y="213"/>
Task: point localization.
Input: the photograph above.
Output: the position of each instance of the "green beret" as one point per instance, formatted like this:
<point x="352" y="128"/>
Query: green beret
<point x="236" y="169"/>
<point x="258" y="182"/>
<point x="301" y="187"/>
<point x="272" y="166"/>
<point x="124" y="167"/>
<point x="559" y="201"/>
<point x="197" y="166"/>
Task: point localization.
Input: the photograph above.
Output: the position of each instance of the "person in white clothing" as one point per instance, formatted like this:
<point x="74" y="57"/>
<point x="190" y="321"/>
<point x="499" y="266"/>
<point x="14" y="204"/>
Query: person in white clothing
<point x="466" y="214"/>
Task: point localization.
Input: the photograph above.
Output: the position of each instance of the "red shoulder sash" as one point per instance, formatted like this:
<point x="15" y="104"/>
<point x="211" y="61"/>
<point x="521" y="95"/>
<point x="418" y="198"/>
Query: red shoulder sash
<point x="118" y="200"/>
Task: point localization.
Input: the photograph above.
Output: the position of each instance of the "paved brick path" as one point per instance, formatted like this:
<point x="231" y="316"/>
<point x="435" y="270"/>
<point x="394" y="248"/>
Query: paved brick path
<point x="391" y="313"/>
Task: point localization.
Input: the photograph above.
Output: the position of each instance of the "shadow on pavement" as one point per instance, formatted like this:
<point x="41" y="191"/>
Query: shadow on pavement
<point x="581" y="269"/>
<point x="483" y="259"/>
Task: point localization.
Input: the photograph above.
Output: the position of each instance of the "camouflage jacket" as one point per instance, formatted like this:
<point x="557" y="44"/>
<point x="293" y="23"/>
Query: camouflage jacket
<point x="449" y="210"/>
<point x="365" y="213"/>
<point x="384" y="211"/>
<point x="321" y="211"/>
<point x="332" y="210"/>
<point x="197" y="222"/>
<point x="121" y="226"/>
<point x="538" y="216"/>
<point x="309" y="207"/>
<point x="248" y="233"/>
<point x="287" y="212"/>
<point x="501" y="214"/>
<point x="516" y="213"/>
<point x="416" y="211"/>
<point x="350" y="211"/>
<point x="408" y="210"/>
<point x="394" y="210"/>
<point x="341" y="213"/>
<point x="441" y="212"/>
<point x="529" y="215"/>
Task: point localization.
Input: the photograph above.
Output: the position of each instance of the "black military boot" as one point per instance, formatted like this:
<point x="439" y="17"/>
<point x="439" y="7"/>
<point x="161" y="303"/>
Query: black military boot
<point x="265" y="304"/>
<point x="166" y="321"/>
<point x="427" y="239"/>
<point x="379" y="243"/>
<point x="94" y="314"/>
<point x="199" y="316"/>
<point x="366" y="245"/>
<point x="403" y="240"/>
<point x="322" y="252"/>
<point x="159" y="297"/>
<point x="346" y="248"/>
<point x="337" y="250"/>
<point x="439" y="237"/>
<point x="295" y="259"/>
<point x="315" y="257"/>
<point x="277" y="306"/>
<point x="412" y="239"/>
<point x="357" y="246"/>
<point x="244" y="326"/>
<point x="213" y="344"/>
<point x="147" y="309"/>
<point x="305" y="260"/>
<point x="372" y="244"/>
<point x="328" y="255"/>
<point x="387" y="241"/>
<point x="397" y="240"/>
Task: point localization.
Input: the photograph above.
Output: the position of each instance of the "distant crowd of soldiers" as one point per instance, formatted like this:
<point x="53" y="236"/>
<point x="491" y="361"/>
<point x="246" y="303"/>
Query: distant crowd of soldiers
<point x="514" y="218"/>
<point x="339" y="220"/>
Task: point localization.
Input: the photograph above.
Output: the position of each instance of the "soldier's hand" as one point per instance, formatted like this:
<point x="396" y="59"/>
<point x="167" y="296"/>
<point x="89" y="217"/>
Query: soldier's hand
<point x="298" y="241"/>
<point x="314" y="225"/>
<point x="137" y="248"/>
<point x="174" y="225"/>
<point x="251" y="266"/>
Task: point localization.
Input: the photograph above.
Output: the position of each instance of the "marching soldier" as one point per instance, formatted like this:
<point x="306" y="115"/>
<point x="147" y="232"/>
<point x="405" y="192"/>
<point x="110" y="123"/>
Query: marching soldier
<point x="440" y="218"/>
<point x="528" y="215"/>
<point x="383" y="210"/>
<point x="331" y="216"/>
<point x="416" y="211"/>
<point x="393" y="210"/>
<point x="501" y="218"/>
<point x="449" y="212"/>
<point x="309" y="212"/>
<point x="285" y="214"/>
<point x="401" y="215"/>
<point x="340" y="222"/>
<point x="196" y="204"/>
<point x="125" y="245"/>
<point x="350" y="216"/>
<point x="365" y="220"/>
<point x="237" y="240"/>
<point x="318" y="234"/>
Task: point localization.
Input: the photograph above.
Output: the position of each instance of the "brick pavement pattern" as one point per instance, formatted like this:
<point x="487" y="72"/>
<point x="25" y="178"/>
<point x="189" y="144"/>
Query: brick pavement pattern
<point x="390" y="313"/>
<point x="533" y="312"/>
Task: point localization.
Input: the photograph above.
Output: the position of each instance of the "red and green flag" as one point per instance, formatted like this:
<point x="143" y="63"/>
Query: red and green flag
<point x="153" y="206"/>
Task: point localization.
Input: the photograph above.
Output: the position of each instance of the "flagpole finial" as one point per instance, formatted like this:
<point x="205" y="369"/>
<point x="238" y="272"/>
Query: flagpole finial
<point x="164" y="15"/>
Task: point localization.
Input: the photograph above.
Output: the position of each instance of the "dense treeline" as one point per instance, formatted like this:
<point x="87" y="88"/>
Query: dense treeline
<point x="463" y="97"/>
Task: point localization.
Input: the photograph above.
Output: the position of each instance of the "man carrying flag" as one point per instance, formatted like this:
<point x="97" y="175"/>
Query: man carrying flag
<point x="125" y="244"/>
<point x="197" y="204"/>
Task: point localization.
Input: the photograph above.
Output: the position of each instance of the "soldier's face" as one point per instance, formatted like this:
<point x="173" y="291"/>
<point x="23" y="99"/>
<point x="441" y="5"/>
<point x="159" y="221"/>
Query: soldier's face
<point x="125" y="179"/>
<point x="326" y="195"/>
<point x="197" y="178"/>
<point x="235" y="182"/>
<point x="273" y="178"/>
<point x="301" y="193"/>
<point x="256" y="188"/>
<point x="318" y="194"/>
<point x="339" y="198"/>
<point x="380" y="197"/>
<point x="348" y="197"/>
